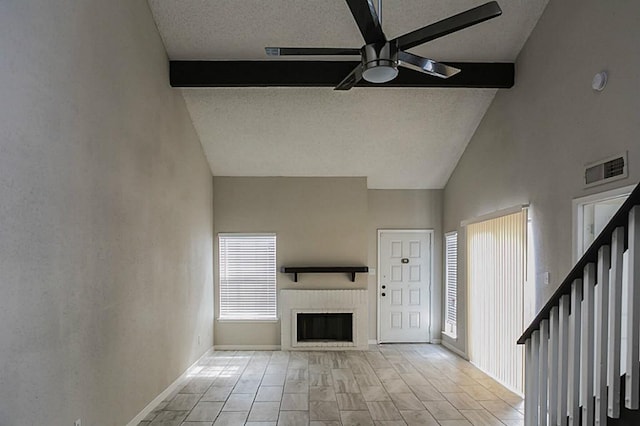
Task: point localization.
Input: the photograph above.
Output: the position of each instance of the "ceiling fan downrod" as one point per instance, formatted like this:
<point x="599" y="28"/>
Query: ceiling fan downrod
<point x="379" y="60"/>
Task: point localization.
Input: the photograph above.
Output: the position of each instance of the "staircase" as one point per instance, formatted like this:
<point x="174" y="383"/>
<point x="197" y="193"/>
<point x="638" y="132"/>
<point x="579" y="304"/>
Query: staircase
<point x="582" y="351"/>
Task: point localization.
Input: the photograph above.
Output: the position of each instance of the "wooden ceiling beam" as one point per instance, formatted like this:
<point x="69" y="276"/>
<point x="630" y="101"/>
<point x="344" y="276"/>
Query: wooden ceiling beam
<point x="328" y="74"/>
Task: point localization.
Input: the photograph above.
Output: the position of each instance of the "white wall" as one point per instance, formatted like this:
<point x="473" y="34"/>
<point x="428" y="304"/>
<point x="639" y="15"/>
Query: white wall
<point x="535" y="138"/>
<point x="105" y="215"/>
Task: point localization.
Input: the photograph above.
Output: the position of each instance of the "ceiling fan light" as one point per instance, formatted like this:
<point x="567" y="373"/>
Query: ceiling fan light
<point x="380" y="73"/>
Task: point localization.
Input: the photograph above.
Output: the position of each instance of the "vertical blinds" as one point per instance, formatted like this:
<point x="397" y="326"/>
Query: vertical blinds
<point x="247" y="276"/>
<point x="496" y="256"/>
<point x="451" y="282"/>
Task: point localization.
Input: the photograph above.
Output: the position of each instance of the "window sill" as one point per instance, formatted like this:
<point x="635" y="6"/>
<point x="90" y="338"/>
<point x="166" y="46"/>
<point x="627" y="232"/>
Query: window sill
<point x="449" y="335"/>
<point x="266" y="320"/>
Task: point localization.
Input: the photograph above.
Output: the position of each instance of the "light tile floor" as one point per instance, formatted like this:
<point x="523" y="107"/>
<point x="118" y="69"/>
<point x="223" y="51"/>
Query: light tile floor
<point x="387" y="385"/>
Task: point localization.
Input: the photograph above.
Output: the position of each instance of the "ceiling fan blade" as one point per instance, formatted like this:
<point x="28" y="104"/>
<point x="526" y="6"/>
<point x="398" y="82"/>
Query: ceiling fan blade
<point x="426" y="65"/>
<point x="449" y="25"/>
<point x="317" y="51"/>
<point x="367" y="19"/>
<point x="351" y="80"/>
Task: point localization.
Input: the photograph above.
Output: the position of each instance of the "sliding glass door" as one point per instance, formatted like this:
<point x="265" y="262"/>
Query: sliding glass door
<point x="496" y="273"/>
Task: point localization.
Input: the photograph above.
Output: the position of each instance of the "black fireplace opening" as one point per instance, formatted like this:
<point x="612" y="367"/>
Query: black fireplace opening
<point x="325" y="327"/>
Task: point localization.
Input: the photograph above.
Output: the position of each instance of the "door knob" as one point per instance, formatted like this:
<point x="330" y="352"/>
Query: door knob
<point x="384" y="286"/>
<point x="383" y="294"/>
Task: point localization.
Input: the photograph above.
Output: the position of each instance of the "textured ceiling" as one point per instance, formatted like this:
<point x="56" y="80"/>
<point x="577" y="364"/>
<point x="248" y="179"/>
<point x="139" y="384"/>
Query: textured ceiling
<point x="398" y="138"/>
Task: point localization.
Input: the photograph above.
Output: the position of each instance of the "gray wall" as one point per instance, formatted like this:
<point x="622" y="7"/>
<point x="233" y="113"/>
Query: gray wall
<point x="318" y="221"/>
<point x="406" y="209"/>
<point x="533" y="142"/>
<point x="105" y="216"/>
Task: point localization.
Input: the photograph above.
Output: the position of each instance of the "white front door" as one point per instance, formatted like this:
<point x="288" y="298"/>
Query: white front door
<point x="404" y="281"/>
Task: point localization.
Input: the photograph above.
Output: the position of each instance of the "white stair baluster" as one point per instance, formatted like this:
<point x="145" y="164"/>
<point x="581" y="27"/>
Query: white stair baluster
<point x="535" y="364"/>
<point x="553" y="365"/>
<point x="615" y="316"/>
<point x="632" y="391"/>
<point x="528" y="383"/>
<point x="574" y="354"/>
<point x="563" y="359"/>
<point x="601" y="302"/>
<point x="543" y="372"/>
<point x="586" y="341"/>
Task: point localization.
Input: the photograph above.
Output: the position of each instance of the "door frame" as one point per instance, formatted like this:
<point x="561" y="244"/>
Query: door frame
<point x="577" y="214"/>
<point x="429" y="232"/>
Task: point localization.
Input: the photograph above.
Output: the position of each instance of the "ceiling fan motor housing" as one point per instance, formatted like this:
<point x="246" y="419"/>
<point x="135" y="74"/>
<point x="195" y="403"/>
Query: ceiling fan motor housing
<point x="379" y="62"/>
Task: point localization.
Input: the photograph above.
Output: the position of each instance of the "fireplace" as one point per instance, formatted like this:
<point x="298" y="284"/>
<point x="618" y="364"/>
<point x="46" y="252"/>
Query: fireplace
<point x="334" y="319"/>
<point x="325" y="327"/>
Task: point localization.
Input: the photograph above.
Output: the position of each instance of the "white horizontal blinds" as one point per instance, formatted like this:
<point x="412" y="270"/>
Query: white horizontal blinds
<point x="247" y="276"/>
<point x="451" y="281"/>
<point x="496" y="256"/>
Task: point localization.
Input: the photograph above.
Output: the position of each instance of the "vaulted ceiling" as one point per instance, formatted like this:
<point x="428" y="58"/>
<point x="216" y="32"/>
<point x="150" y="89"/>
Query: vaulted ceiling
<point x="396" y="137"/>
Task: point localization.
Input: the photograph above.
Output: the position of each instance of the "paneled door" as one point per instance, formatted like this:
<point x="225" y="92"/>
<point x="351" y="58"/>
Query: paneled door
<point x="404" y="283"/>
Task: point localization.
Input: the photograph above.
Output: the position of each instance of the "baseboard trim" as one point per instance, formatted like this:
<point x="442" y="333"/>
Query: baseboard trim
<point x="247" y="347"/>
<point x="454" y="349"/>
<point x="436" y="341"/>
<point x="172" y="387"/>
<point x="373" y="342"/>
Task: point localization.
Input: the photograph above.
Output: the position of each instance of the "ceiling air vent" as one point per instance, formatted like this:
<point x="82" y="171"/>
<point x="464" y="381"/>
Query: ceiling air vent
<point x="610" y="169"/>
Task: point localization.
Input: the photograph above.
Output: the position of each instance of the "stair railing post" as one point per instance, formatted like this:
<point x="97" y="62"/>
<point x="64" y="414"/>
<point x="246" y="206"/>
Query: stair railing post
<point x="535" y="364"/>
<point x="528" y="383"/>
<point x="543" y="372"/>
<point x="574" y="354"/>
<point x="632" y="391"/>
<point x="563" y="359"/>
<point x="554" y="326"/>
<point x="615" y="320"/>
<point x="586" y="340"/>
<point x="601" y="335"/>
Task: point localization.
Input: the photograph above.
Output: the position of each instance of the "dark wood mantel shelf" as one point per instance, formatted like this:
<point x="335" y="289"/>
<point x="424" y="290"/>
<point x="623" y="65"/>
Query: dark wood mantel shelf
<point x="295" y="270"/>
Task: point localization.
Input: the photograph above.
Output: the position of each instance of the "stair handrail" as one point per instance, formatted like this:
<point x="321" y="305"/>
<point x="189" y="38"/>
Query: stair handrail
<point x="620" y="218"/>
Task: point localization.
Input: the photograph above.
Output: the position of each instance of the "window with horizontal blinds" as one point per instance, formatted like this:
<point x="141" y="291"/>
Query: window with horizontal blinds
<point x="247" y="276"/>
<point x="451" y="283"/>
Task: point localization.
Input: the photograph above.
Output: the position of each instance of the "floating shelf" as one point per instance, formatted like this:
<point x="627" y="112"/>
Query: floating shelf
<point x="295" y="270"/>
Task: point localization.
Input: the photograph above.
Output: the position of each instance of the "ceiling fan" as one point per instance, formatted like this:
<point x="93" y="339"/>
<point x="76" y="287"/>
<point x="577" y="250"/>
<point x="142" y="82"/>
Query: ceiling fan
<point x="379" y="61"/>
<point x="380" y="57"/>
